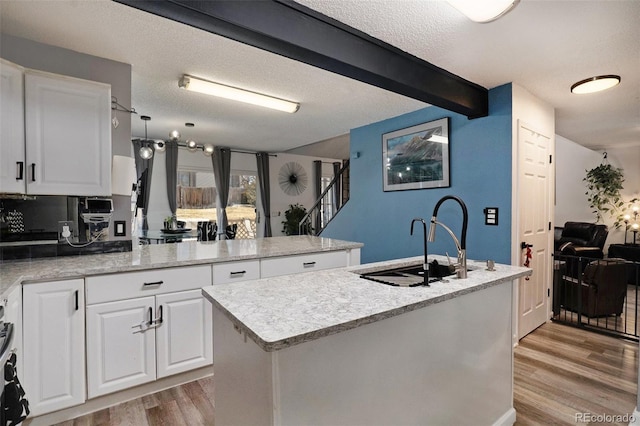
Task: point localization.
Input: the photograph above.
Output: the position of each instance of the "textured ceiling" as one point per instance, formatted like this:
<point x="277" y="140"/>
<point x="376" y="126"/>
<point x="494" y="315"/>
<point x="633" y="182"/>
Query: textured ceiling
<point x="544" y="46"/>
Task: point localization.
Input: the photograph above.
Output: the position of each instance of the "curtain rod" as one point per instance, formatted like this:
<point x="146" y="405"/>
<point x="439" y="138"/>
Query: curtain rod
<point x="184" y="145"/>
<point x="250" y="152"/>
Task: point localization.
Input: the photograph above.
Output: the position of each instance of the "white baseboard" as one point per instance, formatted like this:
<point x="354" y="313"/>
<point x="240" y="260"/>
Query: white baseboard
<point x="507" y="419"/>
<point x="110" y="400"/>
<point x="635" y="419"/>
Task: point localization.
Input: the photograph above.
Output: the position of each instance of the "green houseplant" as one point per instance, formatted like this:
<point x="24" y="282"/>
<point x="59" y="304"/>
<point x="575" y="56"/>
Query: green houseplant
<point x="604" y="184"/>
<point x="292" y="217"/>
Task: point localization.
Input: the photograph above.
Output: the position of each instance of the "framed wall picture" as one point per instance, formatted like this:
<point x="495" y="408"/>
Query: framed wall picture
<point x="416" y="157"/>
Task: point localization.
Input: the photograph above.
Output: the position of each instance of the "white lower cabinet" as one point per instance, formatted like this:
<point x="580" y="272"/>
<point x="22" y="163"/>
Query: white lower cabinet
<point x="141" y="339"/>
<point x="54" y="347"/>
<point x="120" y="346"/>
<point x="184" y="340"/>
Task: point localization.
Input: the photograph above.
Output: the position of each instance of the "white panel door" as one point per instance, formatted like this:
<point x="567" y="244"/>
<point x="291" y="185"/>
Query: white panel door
<point x="12" y="164"/>
<point x="120" y="345"/>
<point x="53" y="374"/>
<point x="534" y="185"/>
<point x="184" y="338"/>
<point x="68" y="135"/>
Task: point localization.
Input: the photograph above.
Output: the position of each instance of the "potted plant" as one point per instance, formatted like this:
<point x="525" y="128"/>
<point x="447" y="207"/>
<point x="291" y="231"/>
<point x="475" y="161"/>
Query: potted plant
<point x="604" y="184"/>
<point x="292" y="217"/>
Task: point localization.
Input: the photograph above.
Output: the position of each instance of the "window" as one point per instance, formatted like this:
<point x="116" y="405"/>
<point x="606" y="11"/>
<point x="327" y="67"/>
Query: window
<point x="196" y="200"/>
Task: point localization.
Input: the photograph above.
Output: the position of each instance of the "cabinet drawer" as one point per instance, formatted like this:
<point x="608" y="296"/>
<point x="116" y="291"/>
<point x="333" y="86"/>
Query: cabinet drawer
<point x="236" y="271"/>
<point x="108" y="288"/>
<point x="303" y="263"/>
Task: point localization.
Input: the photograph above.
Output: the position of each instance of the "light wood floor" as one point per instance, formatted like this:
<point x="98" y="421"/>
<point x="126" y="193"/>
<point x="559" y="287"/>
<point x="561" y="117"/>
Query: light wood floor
<point x="559" y="371"/>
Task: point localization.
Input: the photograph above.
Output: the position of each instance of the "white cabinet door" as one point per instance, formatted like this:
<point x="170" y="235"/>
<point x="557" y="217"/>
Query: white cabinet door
<point x="184" y="338"/>
<point x="120" y="345"/>
<point x="68" y="135"/>
<point x="53" y="373"/>
<point x="12" y="164"/>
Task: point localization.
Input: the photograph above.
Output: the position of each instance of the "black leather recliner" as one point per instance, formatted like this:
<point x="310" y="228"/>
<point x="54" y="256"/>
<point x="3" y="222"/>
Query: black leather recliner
<point x="601" y="290"/>
<point x="582" y="239"/>
<point x="579" y="244"/>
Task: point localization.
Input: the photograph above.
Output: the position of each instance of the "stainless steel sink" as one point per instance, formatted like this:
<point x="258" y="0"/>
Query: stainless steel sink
<point x="406" y="276"/>
<point x="409" y="276"/>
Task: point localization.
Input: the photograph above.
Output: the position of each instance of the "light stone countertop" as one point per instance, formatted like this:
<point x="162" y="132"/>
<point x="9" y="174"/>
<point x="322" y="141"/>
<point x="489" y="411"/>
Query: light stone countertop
<point x="13" y="273"/>
<point x="287" y="310"/>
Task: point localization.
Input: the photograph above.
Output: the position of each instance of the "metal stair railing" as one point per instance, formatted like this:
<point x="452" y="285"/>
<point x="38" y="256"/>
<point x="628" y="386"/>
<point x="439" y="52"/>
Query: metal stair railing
<point x="325" y="208"/>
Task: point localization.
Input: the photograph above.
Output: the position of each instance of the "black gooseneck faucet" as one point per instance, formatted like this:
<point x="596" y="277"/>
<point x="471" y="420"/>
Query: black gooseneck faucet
<point x="461" y="246"/>
<point x="425" y="264"/>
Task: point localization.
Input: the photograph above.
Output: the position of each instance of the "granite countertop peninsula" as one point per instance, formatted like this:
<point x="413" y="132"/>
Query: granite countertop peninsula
<point x="155" y="256"/>
<point x="283" y="311"/>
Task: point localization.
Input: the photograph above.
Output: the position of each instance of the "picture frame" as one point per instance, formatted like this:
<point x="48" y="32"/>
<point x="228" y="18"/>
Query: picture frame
<point x="416" y="157"/>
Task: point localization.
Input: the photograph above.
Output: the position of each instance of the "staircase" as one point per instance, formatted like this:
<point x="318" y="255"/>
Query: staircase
<point x="335" y="195"/>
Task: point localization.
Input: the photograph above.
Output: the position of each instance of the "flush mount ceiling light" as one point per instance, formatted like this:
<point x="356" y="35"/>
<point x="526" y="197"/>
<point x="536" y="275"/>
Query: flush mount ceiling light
<point x="595" y="84"/>
<point x="228" y="92"/>
<point x="483" y="10"/>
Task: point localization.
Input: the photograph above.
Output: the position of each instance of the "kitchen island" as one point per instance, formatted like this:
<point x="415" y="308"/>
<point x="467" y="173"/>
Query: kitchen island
<point x="331" y="348"/>
<point x="97" y="312"/>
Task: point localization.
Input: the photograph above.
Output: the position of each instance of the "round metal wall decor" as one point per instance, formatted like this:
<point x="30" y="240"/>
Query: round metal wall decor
<point x="292" y="178"/>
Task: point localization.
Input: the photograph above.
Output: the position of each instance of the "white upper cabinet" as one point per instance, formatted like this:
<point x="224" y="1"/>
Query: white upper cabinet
<point x="68" y="135"/>
<point x="12" y="163"/>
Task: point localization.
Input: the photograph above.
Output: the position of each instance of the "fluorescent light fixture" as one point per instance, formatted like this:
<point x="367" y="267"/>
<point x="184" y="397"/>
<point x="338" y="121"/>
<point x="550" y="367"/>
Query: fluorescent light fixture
<point x="228" y="92"/>
<point x="595" y="84"/>
<point x="483" y="10"/>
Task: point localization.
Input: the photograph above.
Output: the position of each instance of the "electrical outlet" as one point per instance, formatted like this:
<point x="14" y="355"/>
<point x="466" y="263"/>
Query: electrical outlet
<point x="65" y="230"/>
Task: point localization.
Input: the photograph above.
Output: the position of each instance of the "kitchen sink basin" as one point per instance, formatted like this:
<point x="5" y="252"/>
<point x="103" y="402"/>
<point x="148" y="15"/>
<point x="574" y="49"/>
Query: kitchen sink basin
<point x="409" y="276"/>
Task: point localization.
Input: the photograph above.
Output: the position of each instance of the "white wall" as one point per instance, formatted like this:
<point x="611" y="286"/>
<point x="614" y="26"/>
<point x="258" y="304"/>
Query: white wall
<point x="280" y="201"/>
<point x="572" y="162"/>
<point x="628" y="159"/>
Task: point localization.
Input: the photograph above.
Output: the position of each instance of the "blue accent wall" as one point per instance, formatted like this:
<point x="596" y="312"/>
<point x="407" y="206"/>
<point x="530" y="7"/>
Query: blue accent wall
<point x="480" y="164"/>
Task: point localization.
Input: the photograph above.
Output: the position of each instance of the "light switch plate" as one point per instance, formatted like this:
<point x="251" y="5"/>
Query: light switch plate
<point x="491" y="216"/>
<point x="119" y="228"/>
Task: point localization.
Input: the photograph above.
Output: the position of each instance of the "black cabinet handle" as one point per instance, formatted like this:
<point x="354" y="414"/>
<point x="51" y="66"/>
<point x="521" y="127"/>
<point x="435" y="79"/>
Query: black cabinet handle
<point x="33" y="172"/>
<point x="235" y="273"/>
<point x="20" y="170"/>
<point x="150" y="315"/>
<point x="159" y="321"/>
<point x="153" y="283"/>
<point x="77" y="302"/>
<point x="308" y="264"/>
